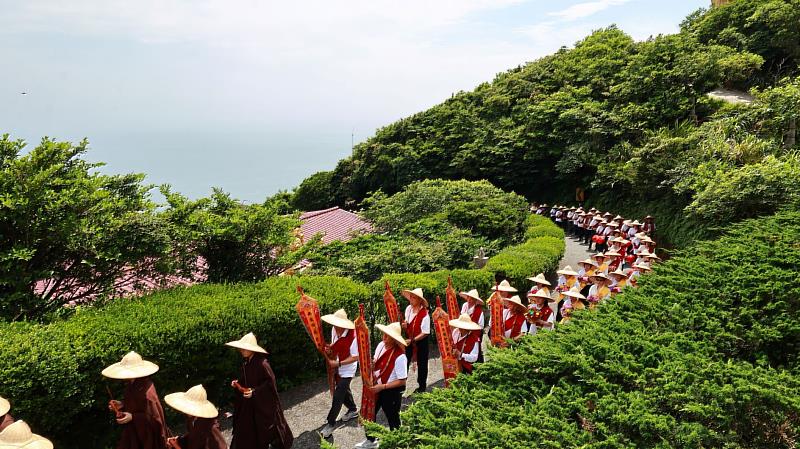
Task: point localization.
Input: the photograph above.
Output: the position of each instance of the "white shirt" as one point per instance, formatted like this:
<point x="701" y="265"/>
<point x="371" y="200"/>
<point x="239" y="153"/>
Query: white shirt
<point x="468" y="310"/>
<point x="506" y="316"/>
<point x="400" y="370"/>
<point x="551" y="319"/>
<point x="472" y="357"/>
<point x="593" y="292"/>
<point x="347" y="370"/>
<point x="425" y="326"/>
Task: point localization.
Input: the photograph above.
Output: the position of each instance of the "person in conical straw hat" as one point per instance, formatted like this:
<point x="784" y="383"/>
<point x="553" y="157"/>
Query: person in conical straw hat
<point x="619" y="280"/>
<point x="599" y="291"/>
<point x="417" y="326"/>
<point x="540" y="315"/>
<point x="515" y="324"/>
<point x="19" y="436"/>
<point x="474" y="309"/>
<point x="539" y="283"/>
<point x="573" y="301"/>
<point x="5" y="418"/>
<point x="504" y="289"/>
<point x="390" y="371"/>
<point x="202" y="428"/>
<point x="141" y="414"/>
<point x="466" y="341"/>
<point x="602" y="262"/>
<point x="567" y="278"/>
<point x="588" y="268"/>
<point x="258" y="419"/>
<point x="344" y="350"/>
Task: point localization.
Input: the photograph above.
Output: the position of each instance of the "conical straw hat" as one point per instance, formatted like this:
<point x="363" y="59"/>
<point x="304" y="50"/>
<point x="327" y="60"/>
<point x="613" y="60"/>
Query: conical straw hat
<point x="5" y="406"/>
<point x="505" y="287"/>
<point x="574" y="292"/>
<point x="465" y="322"/>
<point x="393" y="330"/>
<point x="589" y="262"/>
<point x="471" y="294"/>
<point x="194" y="402"/>
<point x="417" y="293"/>
<point x="132" y="366"/>
<point x="642" y="266"/>
<point x="514" y="300"/>
<point x="619" y="272"/>
<point x="19" y="436"/>
<point x="539" y="279"/>
<point x="248" y="342"/>
<point x="339" y="319"/>
<point x="567" y="271"/>
<point x="539" y="294"/>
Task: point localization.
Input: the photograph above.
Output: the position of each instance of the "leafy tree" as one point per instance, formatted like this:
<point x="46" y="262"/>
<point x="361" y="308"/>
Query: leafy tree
<point x="314" y="193"/>
<point x="236" y="242"/>
<point x="67" y="232"/>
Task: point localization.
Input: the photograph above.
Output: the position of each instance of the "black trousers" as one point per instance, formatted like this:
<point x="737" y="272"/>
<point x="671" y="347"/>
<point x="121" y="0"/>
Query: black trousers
<point x="341" y="396"/>
<point x="390" y="401"/>
<point x="422" y="360"/>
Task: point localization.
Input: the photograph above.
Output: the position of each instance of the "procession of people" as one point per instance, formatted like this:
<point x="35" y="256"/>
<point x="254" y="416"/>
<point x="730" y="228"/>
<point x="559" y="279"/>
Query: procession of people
<point x="625" y="249"/>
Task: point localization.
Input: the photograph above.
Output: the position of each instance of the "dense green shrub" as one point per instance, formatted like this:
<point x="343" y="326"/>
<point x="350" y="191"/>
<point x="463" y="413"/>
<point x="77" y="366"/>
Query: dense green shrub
<point x="537" y="255"/>
<point x="703" y="354"/>
<point x="52" y="372"/>
<point x="539" y="226"/>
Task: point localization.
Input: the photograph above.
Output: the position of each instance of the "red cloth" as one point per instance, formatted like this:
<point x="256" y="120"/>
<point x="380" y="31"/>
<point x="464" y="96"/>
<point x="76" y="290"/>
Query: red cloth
<point x="415" y="326"/>
<point x="541" y="314"/>
<point x="385" y="363"/>
<point x="466" y="345"/>
<point x="477" y="311"/>
<point x="259" y="421"/>
<point x="6" y="421"/>
<point x="342" y="346"/>
<point x="514" y="322"/>
<point x="202" y="433"/>
<point x="147" y="430"/>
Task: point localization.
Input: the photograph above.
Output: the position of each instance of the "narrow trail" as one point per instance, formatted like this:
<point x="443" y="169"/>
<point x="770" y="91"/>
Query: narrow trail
<point x="307" y="406"/>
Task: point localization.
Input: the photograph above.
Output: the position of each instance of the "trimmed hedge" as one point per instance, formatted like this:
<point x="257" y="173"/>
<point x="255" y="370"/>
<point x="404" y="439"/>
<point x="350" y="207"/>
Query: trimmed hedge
<point x="705" y="353"/>
<point x="52" y="372"/>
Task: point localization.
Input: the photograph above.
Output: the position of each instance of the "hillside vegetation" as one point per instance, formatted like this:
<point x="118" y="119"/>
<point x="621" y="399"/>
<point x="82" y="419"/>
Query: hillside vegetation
<point x="627" y="121"/>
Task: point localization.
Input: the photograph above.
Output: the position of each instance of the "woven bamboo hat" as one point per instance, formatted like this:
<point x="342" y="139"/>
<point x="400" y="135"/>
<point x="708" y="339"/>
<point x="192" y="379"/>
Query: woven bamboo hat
<point x="574" y="292"/>
<point x="132" y="366"/>
<point x="339" y="319"/>
<point x="505" y="287"/>
<point x="194" y="402"/>
<point x="635" y="223"/>
<point x="248" y="342"/>
<point x="5" y="406"/>
<point x="515" y="301"/>
<point x="600" y="276"/>
<point x="612" y="253"/>
<point x="643" y="267"/>
<point x="471" y="294"/>
<point x="618" y="273"/>
<point x="416" y="293"/>
<point x="567" y="271"/>
<point x="393" y="330"/>
<point x="539" y="294"/>
<point x="539" y="279"/>
<point x="588" y="262"/>
<point x="465" y="322"/>
<point x="19" y="436"/>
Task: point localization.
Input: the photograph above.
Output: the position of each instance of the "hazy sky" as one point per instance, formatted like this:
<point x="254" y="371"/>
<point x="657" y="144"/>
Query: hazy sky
<point x="253" y="96"/>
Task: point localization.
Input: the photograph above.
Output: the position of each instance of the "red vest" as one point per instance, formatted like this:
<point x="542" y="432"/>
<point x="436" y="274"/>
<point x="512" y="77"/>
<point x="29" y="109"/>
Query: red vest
<point x="385" y="363"/>
<point x="514" y="322"/>
<point x="342" y="346"/>
<point x="466" y="345"/>
<point x="476" y="313"/>
<point x="415" y="326"/>
<point x="541" y="314"/>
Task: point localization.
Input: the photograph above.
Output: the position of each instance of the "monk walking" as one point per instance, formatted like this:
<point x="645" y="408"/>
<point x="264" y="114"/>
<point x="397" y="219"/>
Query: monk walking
<point x="258" y="419"/>
<point x="202" y="428"/>
<point x="140" y="413"/>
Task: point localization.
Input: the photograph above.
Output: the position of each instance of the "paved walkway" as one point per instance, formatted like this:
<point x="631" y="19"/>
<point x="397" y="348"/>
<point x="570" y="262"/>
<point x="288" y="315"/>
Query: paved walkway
<point x="306" y="406"/>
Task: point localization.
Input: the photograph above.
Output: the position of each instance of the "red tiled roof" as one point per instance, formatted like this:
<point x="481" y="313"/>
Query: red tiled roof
<point x="333" y="224"/>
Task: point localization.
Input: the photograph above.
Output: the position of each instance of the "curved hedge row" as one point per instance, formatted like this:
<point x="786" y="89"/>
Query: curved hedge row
<point x="705" y="353"/>
<point x="52" y="372"/>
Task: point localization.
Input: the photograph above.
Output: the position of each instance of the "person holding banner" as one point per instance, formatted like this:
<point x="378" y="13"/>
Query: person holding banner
<point x="515" y="323"/>
<point x="390" y="371"/>
<point x="418" y="327"/>
<point x="474" y="309"/>
<point x="466" y="342"/>
<point x="345" y="360"/>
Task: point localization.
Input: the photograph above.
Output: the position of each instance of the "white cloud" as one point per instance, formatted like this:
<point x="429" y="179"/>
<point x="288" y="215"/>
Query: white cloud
<point x="585" y="9"/>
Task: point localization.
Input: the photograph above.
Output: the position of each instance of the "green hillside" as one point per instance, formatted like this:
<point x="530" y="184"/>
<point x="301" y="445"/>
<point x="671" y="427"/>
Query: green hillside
<point x="623" y="120"/>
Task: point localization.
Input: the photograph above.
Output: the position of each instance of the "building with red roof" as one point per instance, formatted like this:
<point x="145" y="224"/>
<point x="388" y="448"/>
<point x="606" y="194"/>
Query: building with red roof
<point x="333" y="224"/>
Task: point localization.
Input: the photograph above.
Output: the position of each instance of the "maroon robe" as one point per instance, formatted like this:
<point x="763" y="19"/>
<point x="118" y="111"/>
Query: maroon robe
<point x="259" y="421"/>
<point x="202" y="433"/>
<point x="147" y="430"/>
<point x="6" y="421"/>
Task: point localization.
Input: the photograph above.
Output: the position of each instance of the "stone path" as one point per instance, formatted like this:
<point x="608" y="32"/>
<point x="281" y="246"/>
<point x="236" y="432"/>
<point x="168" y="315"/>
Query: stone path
<point x="306" y="406"/>
<point x="731" y="96"/>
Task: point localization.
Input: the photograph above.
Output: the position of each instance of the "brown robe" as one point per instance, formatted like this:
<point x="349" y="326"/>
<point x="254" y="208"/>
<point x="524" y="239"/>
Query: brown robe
<point x="6" y="421"/>
<point x="202" y="433"/>
<point x="147" y="430"/>
<point x="259" y="421"/>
